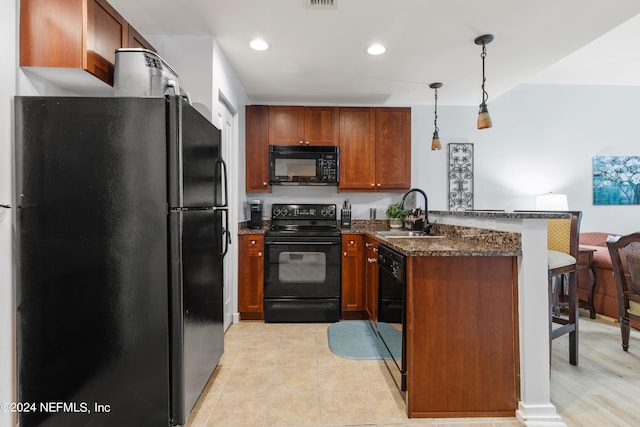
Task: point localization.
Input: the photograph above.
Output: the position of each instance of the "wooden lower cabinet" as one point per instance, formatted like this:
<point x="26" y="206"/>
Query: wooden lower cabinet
<point x="462" y="336"/>
<point x="251" y="276"/>
<point x="352" y="301"/>
<point x="371" y="278"/>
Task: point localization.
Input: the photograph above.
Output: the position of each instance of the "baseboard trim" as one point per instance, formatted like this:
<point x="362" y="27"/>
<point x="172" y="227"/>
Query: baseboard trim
<point x="539" y="415"/>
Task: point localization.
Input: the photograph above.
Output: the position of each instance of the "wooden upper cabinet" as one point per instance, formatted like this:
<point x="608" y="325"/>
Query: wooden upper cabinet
<point x="136" y="40"/>
<point x="73" y="34"/>
<point x="321" y="126"/>
<point x="286" y="125"/>
<point x="106" y="31"/>
<point x="257" y="148"/>
<point x="375" y="149"/>
<point x="296" y="125"/>
<point x="357" y="148"/>
<point x="393" y="148"/>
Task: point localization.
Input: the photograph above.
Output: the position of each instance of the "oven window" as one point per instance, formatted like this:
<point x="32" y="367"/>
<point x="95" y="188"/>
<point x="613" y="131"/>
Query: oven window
<point x="307" y="267"/>
<point x="295" y="167"/>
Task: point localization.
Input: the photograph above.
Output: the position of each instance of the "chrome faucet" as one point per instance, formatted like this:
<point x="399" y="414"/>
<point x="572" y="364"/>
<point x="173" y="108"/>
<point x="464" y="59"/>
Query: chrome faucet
<point x="427" y="226"/>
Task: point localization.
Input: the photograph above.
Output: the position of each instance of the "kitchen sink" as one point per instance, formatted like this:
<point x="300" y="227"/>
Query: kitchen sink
<point x="407" y="234"/>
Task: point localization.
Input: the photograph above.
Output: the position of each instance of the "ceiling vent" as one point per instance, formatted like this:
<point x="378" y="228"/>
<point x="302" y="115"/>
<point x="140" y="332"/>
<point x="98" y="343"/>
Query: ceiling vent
<point x="321" y="4"/>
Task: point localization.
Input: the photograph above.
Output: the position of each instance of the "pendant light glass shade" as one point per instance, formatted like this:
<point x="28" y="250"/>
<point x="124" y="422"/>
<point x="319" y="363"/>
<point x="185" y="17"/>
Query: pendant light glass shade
<point x="435" y="142"/>
<point x="484" y="120"/>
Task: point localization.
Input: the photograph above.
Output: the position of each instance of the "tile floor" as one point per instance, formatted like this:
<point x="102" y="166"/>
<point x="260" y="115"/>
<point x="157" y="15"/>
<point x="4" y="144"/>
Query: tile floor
<point x="284" y="375"/>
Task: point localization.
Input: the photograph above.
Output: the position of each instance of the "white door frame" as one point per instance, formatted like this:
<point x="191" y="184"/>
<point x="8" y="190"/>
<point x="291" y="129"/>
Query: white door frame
<point x="228" y="119"/>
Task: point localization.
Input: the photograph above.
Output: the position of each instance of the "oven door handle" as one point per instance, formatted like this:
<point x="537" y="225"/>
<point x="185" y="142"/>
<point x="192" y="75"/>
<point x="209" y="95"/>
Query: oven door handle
<point x="306" y="243"/>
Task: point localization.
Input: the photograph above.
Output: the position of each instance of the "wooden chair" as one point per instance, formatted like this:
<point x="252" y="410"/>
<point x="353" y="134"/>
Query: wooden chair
<point x="562" y="256"/>
<point x="625" y="258"/>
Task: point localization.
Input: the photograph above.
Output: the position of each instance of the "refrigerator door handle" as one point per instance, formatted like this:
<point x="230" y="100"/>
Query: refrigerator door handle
<point x="226" y="234"/>
<point x="223" y="175"/>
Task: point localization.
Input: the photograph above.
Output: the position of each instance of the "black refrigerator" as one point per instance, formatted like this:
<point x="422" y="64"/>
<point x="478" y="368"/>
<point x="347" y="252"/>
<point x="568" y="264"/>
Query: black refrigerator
<point x="121" y="231"/>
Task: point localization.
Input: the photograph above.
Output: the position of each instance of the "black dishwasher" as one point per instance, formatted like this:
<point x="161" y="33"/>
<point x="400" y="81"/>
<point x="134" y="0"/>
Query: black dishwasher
<point x="391" y="312"/>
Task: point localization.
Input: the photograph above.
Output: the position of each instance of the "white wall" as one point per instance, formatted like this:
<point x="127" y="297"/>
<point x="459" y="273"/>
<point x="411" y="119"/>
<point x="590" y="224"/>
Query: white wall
<point x="543" y="139"/>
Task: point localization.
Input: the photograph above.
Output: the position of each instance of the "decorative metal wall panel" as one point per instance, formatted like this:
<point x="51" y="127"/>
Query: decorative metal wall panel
<point x="460" y="176"/>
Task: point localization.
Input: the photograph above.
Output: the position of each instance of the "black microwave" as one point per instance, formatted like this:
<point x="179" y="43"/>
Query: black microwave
<point x="304" y="165"/>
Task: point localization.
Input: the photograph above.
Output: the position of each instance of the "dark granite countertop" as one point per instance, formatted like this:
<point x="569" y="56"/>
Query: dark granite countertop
<point x="457" y="240"/>
<point x="503" y="214"/>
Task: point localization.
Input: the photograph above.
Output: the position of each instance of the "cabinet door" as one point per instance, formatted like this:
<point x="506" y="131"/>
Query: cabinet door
<point x="251" y="276"/>
<point x="393" y="148"/>
<point x="106" y="31"/>
<point x="286" y="125"/>
<point x="352" y="275"/>
<point x="56" y="46"/>
<point x="136" y="40"/>
<point x="357" y="148"/>
<point x="321" y="125"/>
<point x="371" y="278"/>
<point x="257" y="148"/>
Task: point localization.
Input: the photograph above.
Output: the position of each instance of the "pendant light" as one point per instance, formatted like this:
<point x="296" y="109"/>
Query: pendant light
<point x="435" y="142"/>
<point x="484" y="120"/>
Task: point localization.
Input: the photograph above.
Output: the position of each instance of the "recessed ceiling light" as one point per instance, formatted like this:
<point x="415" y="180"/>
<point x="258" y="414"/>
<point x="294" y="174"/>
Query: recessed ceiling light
<point x="376" y="49"/>
<point x="259" y="44"/>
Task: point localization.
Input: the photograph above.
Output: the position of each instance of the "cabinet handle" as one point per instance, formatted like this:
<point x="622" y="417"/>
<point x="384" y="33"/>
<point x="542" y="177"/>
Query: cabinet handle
<point x="264" y="183"/>
<point x="351" y="242"/>
<point x="345" y="253"/>
<point x="253" y="242"/>
<point x="379" y="185"/>
<point x="371" y="260"/>
<point x="367" y="244"/>
<point x="375" y="249"/>
<point x="301" y="142"/>
<point x="307" y="143"/>
<point x="373" y="185"/>
<point x="259" y="253"/>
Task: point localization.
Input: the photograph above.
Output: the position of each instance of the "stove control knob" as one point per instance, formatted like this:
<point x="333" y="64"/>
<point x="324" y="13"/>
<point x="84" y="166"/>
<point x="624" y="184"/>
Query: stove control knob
<point x="328" y="211"/>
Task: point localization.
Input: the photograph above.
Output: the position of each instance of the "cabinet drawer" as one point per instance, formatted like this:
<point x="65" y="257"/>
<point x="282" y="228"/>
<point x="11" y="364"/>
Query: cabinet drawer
<point x="255" y="246"/>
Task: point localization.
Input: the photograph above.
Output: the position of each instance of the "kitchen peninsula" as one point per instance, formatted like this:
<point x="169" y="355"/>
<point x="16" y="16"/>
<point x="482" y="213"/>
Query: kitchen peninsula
<point x="519" y="344"/>
<point x="534" y="406"/>
<point x="461" y="321"/>
<point x="483" y="294"/>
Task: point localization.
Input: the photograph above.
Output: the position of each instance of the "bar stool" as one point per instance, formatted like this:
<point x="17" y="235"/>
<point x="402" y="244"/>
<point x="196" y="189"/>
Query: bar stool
<point x="562" y="255"/>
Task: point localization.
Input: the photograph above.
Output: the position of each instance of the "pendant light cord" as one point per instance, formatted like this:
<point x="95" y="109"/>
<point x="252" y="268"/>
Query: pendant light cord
<point x="485" y="95"/>
<point x="435" y="112"/>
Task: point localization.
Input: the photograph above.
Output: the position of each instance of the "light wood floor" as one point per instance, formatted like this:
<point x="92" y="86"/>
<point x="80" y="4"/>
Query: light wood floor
<point x="604" y="389"/>
<point x="284" y="375"/>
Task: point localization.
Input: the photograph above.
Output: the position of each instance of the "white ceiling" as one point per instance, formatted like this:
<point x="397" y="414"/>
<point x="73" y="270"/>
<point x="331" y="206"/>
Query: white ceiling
<point x="318" y="55"/>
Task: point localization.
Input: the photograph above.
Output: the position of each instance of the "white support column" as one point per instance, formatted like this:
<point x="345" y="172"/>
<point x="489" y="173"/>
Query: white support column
<point x="535" y="407"/>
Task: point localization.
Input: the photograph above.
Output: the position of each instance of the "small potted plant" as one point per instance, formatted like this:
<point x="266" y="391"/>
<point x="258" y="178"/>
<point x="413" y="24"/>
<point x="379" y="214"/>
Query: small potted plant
<point x="396" y="215"/>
